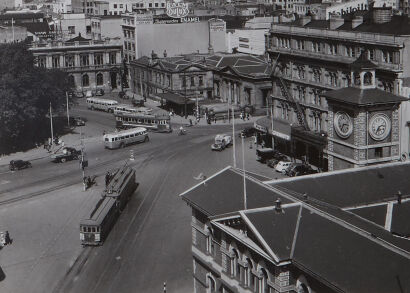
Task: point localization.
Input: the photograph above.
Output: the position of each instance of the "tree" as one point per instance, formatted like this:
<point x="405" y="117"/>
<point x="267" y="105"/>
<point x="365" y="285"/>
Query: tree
<point x="26" y="92"/>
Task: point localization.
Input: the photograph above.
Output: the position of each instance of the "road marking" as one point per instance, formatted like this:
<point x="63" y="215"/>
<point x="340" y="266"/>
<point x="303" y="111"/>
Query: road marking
<point x="7" y="172"/>
<point x="4" y="182"/>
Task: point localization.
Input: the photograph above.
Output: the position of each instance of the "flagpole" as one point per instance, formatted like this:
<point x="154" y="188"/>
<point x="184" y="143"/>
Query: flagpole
<point x="244" y="177"/>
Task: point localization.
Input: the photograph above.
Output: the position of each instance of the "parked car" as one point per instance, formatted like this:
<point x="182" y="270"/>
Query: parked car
<point x="99" y="92"/>
<point x="282" y="166"/>
<point x="89" y="94"/>
<point x="273" y="162"/>
<point x="247" y="132"/>
<point x="265" y="154"/>
<point x="19" y="164"/>
<point x="299" y="170"/>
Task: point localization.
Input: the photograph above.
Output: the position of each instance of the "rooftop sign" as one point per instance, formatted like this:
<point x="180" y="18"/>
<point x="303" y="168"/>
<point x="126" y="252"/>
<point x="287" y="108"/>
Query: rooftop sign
<point x="177" y="9"/>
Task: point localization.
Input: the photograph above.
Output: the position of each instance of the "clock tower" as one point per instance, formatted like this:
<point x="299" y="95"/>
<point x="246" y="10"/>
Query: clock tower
<point x="363" y="121"/>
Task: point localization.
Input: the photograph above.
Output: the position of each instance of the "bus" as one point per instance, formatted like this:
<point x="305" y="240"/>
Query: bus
<point x="125" y="108"/>
<point x="101" y="104"/>
<point x="95" y="228"/>
<point x="153" y="122"/>
<point x="123" y="138"/>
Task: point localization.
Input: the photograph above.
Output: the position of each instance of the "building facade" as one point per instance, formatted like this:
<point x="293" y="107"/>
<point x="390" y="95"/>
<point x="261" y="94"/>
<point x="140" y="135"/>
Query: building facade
<point x="314" y="56"/>
<point x="10" y="34"/>
<point x="90" y="64"/>
<point x="284" y="239"/>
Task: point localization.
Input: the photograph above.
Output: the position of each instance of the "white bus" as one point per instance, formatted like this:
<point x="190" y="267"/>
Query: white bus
<point x="125" y="108"/>
<point x="101" y="104"/>
<point x="123" y="138"/>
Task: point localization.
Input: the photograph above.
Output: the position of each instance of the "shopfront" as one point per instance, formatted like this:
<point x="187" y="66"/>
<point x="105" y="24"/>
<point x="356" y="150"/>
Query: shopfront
<point x="280" y="135"/>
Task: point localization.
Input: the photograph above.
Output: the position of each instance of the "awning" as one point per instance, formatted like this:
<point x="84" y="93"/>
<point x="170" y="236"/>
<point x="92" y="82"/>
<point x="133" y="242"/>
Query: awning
<point x="175" y="98"/>
<point x="281" y="129"/>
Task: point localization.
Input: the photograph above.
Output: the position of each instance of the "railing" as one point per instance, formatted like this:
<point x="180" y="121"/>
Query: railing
<point x="54" y="44"/>
<point x="390" y="40"/>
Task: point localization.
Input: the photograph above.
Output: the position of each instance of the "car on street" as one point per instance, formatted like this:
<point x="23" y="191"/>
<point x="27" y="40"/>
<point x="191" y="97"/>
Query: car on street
<point x="19" y="164"/>
<point x="77" y="121"/>
<point x="89" y="94"/>
<point x="221" y="142"/>
<point x="67" y="154"/>
<point x="299" y="169"/>
<point x="247" y="132"/>
<point x="79" y="94"/>
<point x="99" y="92"/>
<point x="282" y="166"/>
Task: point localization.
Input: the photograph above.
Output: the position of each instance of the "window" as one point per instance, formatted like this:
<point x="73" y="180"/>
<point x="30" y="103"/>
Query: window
<point x="301" y="94"/>
<point x="249" y="281"/>
<point x="69" y="61"/>
<point x="368" y="77"/>
<point x="378" y="152"/>
<point x="211" y="284"/>
<point x="100" y="79"/>
<point x="183" y="81"/>
<point x="98" y="59"/>
<point x="150" y="5"/>
<point x="316" y="47"/>
<point x="263" y="282"/>
<point x="316" y="75"/>
<point x="332" y="79"/>
<point x="156" y="4"/>
<point x="71" y="29"/>
<point x="162" y="4"/>
<point x="115" y="5"/>
<point x="201" y="80"/>
<point x="300" y="45"/>
<point x="370" y="54"/>
<point x="387" y="56"/>
<point x="332" y="49"/>
<point x="113" y="58"/>
<point x="84" y="60"/>
<point x="88" y="29"/>
<point x="41" y="61"/>
<point x="56" y="61"/>
<point x="121" y="6"/>
<point x="85" y="80"/>
<point x="301" y="72"/>
<point x="71" y="81"/>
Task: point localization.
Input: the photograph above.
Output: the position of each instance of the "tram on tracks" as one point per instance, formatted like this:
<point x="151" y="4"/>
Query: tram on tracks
<point x="157" y="122"/>
<point x="95" y="228"/>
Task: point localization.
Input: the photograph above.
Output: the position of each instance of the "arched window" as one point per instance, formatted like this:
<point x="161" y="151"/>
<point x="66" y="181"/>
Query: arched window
<point x="85" y="80"/>
<point x="209" y="244"/>
<point x="235" y="269"/>
<point x="263" y="281"/>
<point x="211" y="284"/>
<point x="356" y="78"/>
<point x="100" y="79"/>
<point x="368" y="78"/>
<point x="71" y="81"/>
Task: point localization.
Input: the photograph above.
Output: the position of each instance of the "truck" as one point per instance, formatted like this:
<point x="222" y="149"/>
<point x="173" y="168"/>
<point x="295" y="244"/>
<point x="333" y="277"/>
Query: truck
<point x="221" y="142"/>
<point x="67" y="154"/>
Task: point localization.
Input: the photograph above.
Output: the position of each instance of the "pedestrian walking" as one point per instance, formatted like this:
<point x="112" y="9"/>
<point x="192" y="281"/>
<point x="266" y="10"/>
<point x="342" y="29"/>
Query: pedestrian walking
<point x="107" y="178"/>
<point x="215" y="119"/>
<point x="190" y="121"/>
<point x="247" y="116"/>
<point x="241" y="115"/>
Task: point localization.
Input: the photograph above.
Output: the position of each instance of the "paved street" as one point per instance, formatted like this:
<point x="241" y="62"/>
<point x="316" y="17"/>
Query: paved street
<point x="150" y="243"/>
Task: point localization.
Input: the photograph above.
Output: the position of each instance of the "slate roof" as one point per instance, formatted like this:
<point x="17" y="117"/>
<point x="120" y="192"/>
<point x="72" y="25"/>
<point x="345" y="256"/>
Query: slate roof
<point x="222" y="194"/>
<point x="362" y="97"/>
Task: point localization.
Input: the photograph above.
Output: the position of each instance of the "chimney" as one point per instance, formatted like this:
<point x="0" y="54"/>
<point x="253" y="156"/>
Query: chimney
<point x="304" y="20"/>
<point x="165" y="53"/>
<point x="336" y="21"/>
<point x="278" y="205"/>
<point x="382" y="14"/>
<point x="356" y="21"/>
<point x="399" y="195"/>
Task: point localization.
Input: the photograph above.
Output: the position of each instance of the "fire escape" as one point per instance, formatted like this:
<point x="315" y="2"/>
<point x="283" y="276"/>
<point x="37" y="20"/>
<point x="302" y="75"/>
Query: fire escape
<point x="294" y="102"/>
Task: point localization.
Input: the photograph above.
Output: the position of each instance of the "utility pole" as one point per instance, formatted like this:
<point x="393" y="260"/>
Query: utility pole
<point x="244" y="177"/>
<point x="233" y="137"/>
<point x="68" y="114"/>
<point x="51" y="126"/>
<point x="271" y="113"/>
<point x="12" y="27"/>
<point x="185" y="99"/>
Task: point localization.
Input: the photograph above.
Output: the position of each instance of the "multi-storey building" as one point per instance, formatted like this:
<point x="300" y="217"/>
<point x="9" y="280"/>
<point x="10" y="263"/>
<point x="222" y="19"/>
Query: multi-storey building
<point x="90" y="64"/>
<point x="315" y="56"/>
<point x="177" y="80"/>
<point x="144" y="33"/>
<point x="322" y="233"/>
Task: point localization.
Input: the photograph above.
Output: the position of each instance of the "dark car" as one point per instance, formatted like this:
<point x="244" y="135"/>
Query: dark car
<point x="79" y="94"/>
<point x="247" y="132"/>
<point x="99" y="92"/>
<point x="265" y="154"/>
<point x="299" y="169"/>
<point x="277" y="158"/>
<point x="19" y="164"/>
<point x="77" y="121"/>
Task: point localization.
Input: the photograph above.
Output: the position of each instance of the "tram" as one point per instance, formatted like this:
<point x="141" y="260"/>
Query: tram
<point x="95" y="228"/>
<point x="154" y="122"/>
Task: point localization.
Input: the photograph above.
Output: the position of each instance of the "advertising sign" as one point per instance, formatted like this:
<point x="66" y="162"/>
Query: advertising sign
<point x="177" y="9"/>
<point x="144" y="19"/>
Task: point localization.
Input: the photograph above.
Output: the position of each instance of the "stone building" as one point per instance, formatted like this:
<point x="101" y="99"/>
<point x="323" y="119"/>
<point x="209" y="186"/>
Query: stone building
<point x="314" y="56"/>
<point x="90" y="64"/>
<point x="321" y="233"/>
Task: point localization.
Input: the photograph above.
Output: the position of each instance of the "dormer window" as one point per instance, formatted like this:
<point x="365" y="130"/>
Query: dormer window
<point x="368" y="78"/>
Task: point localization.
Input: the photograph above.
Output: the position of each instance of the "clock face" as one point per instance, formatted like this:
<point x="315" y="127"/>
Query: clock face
<point x="379" y="126"/>
<point x="343" y="124"/>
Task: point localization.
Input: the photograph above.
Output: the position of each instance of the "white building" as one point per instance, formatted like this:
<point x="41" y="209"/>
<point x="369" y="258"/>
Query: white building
<point x="250" y="41"/>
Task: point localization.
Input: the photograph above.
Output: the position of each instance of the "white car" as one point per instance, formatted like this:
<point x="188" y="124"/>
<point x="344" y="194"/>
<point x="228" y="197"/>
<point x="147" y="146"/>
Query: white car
<point x="228" y="140"/>
<point x="282" y="166"/>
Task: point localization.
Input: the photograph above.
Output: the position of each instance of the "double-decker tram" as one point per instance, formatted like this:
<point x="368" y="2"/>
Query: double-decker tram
<point x="155" y="122"/>
<point x="95" y="228"/>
